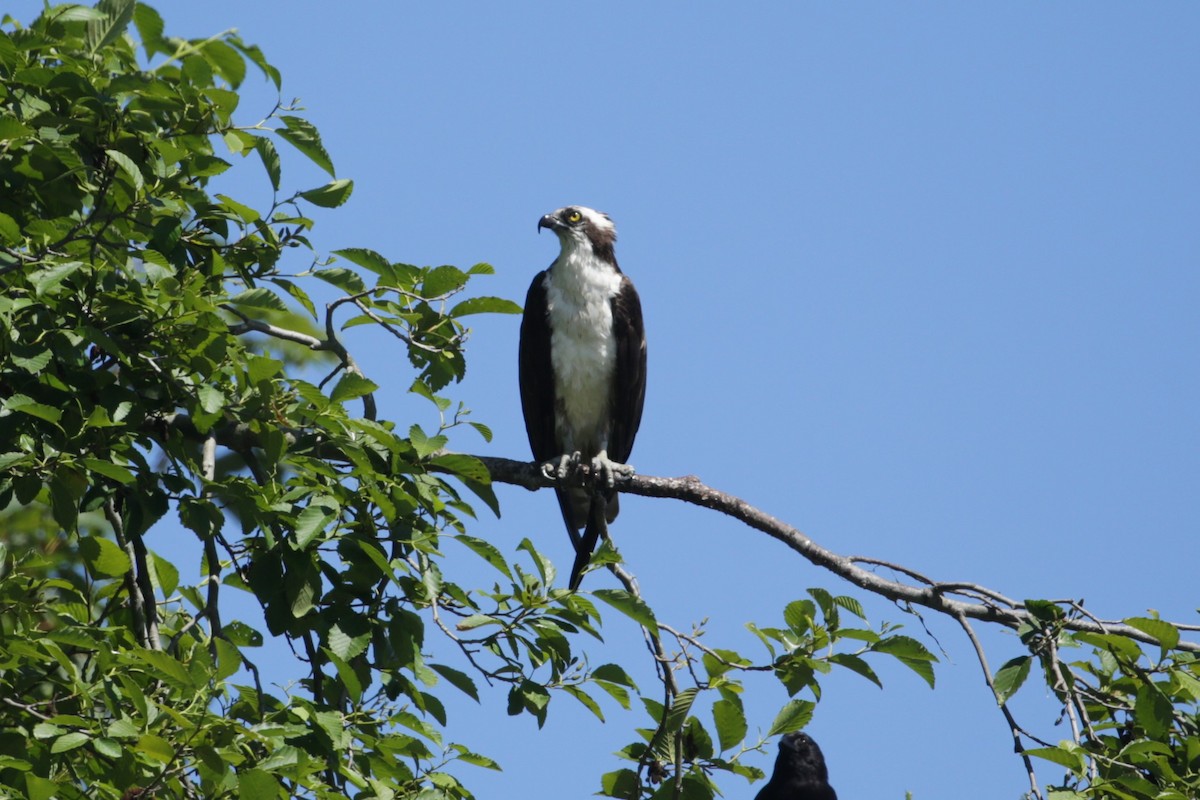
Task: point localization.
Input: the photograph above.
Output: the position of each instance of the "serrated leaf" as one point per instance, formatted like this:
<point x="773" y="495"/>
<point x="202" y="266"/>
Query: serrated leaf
<point x="303" y="135"/>
<point x="352" y="386"/>
<point x="1063" y="758"/>
<point x="104" y="31"/>
<point x="1152" y="710"/>
<point x="128" y="167"/>
<point x="460" y="680"/>
<point x="109" y="470"/>
<point x="12" y="128"/>
<point x="1011" y="676"/>
<point x="270" y="159"/>
<point x="681" y="706"/>
<point x="586" y="700"/>
<point x="225" y="61"/>
<point x="367" y="259"/>
<point x="242" y="211"/>
<point x="167" y="668"/>
<point x="347" y="280"/>
<point x="45" y="280"/>
<point x="443" y="280"/>
<point x="910" y="653"/>
<point x="487" y="551"/>
<point x="483" y="430"/>
<point x="792" y="717"/>
<point x="259" y="298"/>
<point x="1163" y="632"/>
<point x="311" y="522"/>
<point x="104" y="557"/>
<point x="10" y="232"/>
<point x="150" y="29"/>
<point x="485" y="305"/>
<point x="26" y="405"/>
<point x="69" y="741"/>
<point x="331" y="195"/>
<point x="856" y="664"/>
<point x="347" y="675"/>
<point x="730" y="720"/>
<point x="257" y="783"/>
<point x="464" y="466"/>
<point x="631" y="606"/>
<point x="798" y="616"/>
<point x="211" y="398"/>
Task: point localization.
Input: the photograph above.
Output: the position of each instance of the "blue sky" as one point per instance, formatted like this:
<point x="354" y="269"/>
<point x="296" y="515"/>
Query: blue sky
<point x="920" y="279"/>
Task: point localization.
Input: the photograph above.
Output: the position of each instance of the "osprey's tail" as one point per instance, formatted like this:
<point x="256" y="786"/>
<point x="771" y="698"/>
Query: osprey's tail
<point x="591" y="511"/>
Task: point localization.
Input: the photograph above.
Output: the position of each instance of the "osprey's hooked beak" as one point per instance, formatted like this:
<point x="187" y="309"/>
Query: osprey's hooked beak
<point x="547" y="221"/>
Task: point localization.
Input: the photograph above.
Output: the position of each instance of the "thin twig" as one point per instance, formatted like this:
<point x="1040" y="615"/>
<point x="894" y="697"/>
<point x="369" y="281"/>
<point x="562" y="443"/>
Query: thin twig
<point x="1013" y="727"/>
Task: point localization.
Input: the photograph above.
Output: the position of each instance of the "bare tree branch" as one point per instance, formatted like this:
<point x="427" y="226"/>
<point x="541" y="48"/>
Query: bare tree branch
<point x="991" y="607"/>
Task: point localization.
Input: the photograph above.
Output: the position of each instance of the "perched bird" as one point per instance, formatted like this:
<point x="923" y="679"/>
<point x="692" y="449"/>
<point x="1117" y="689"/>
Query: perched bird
<point x="583" y="371"/>
<point x="800" y="772"/>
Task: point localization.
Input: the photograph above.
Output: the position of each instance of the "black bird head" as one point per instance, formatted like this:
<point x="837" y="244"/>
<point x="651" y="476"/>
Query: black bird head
<point x="800" y="772"/>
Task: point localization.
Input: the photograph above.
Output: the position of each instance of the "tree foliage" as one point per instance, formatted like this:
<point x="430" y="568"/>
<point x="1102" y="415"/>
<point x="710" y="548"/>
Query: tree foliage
<point x="168" y="350"/>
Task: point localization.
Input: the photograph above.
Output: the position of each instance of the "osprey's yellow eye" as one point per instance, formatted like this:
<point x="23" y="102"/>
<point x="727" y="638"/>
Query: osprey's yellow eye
<point x="574" y="216"/>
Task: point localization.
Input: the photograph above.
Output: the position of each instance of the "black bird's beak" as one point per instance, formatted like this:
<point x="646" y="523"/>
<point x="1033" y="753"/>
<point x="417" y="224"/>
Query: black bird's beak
<point x="547" y="221"/>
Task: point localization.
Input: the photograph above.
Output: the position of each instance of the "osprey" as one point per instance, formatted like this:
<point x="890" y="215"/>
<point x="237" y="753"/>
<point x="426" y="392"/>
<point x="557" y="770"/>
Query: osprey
<point x="583" y="371"/>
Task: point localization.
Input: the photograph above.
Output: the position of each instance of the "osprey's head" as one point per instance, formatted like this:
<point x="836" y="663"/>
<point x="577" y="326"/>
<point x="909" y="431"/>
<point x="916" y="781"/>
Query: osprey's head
<point x="582" y="229"/>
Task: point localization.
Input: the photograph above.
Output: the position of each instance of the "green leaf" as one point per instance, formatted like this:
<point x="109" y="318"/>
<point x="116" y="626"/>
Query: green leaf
<point x="128" y="167"/>
<point x="225" y="61"/>
<point x="910" y="653"/>
<point x="367" y="259"/>
<point x="792" y="717"/>
<point x="346" y="280"/>
<point x="243" y="212"/>
<point x="311" y="523"/>
<point x="40" y="788"/>
<point x="1011" y="676"/>
<point x="26" y="405"/>
<point x="441" y="281"/>
<point x="303" y="135"/>
<point x="10" y="232"/>
<point x="150" y="29"/>
<point x="270" y="159"/>
<point x="463" y="465"/>
<point x="12" y="129"/>
<point x="1152" y="710"/>
<point x="460" y="680"/>
<point x="46" y="280"/>
<point x="211" y="398"/>
<point x="103" y="32"/>
<point x="352" y="386"/>
<point x="1070" y="760"/>
<point x="165" y="667"/>
<point x="487" y="551"/>
<point x="856" y="664"/>
<point x="109" y="470"/>
<point x="331" y="195"/>
<point x="730" y="720"/>
<point x="631" y="606"/>
<point x="347" y="675"/>
<point x="681" y="706"/>
<point x="69" y="742"/>
<point x="104" y="557"/>
<point x="1163" y="632"/>
<point x="485" y="305"/>
<point x="156" y="747"/>
<point x="259" y="298"/>
<point x="257" y="783"/>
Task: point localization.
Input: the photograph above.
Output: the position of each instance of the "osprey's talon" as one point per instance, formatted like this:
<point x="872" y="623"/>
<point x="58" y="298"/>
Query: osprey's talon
<point x="605" y="471"/>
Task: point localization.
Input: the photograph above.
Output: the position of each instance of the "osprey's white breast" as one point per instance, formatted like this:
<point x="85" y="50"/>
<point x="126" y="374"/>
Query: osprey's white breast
<point x="579" y="293"/>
